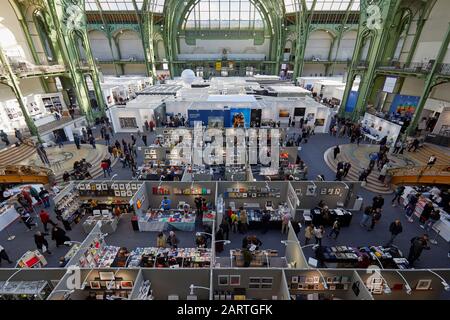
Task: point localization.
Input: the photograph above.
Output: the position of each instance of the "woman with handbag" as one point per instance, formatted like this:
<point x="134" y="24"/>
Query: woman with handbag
<point x="41" y="242"/>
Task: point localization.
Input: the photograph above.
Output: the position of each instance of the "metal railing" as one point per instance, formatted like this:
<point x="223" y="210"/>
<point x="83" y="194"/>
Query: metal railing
<point x="414" y="67"/>
<point x="421" y="171"/>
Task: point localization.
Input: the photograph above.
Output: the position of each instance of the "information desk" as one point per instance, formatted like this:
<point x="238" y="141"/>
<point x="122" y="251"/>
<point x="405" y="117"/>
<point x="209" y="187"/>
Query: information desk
<point x="347" y="257"/>
<point x="158" y="220"/>
<point x="170" y="258"/>
<point x="344" y="216"/>
<point x="260" y="258"/>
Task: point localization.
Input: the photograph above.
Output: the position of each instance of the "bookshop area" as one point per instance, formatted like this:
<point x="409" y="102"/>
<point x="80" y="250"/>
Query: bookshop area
<point x="211" y="266"/>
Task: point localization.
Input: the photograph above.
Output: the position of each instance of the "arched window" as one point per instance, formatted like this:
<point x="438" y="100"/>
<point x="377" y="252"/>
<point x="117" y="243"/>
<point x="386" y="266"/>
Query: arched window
<point x="224" y="14"/>
<point x="43" y="35"/>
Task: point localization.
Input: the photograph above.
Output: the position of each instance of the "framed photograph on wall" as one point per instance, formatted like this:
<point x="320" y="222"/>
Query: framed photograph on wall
<point x="129" y="193"/>
<point x="235" y="280"/>
<point x="223" y="280"/>
<point x="95" y="285"/>
<point x="254" y="286"/>
<point x="126" y="285"/>
<point x="423" y="284"/>
<point x="294" y="279"/>
<point x="122" y="186"/>
<point x="104" y="186"/>
<point x="117" y="193"/>
<point x="123" y="193"/>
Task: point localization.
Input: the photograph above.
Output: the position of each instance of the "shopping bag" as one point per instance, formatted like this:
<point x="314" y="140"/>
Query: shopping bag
<point x="44" y="248"/>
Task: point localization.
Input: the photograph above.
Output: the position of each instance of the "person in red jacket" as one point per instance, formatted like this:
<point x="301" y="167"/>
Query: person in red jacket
<point x="45" y="219"/>
<point x="105" y="167"/>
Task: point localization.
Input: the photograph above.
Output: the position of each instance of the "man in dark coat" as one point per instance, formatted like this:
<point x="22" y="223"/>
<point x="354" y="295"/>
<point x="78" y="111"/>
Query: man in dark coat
<point x="395" y="229"/>
<point x="418" y="244"/>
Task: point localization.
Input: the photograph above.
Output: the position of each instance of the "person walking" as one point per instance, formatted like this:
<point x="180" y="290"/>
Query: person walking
<point x="225" y="226"/>
<point x="92" y="142"/>
<point x="4" y="255"/>
<point x="309" y="232"/>
<point x="414" y="144"/>
<point x="18" y="135"/>
<point x="395" y="228"/>
<point x="335" y="229"/>
<point x="265" y="219"/>
<point x="367" y="215"/>
<point x="285" y="222"/>
<point x="234" y="222"/>
<point x="318" y="235"/>
<point x="336" y="151"/>
<point x="418" y="244"/>
<point x="105" y="167"/>
<point x="27" y="220"/>
<point x="107" y="138"/>
<point x="398" y="195"/>
<point x="41" y="242"/>
<point x="59" y="235"/>
<point x="45" y="219"/>
<point x="347" y="167"/>
<point x="172" y="240"/>
<point x="376" y="217"/>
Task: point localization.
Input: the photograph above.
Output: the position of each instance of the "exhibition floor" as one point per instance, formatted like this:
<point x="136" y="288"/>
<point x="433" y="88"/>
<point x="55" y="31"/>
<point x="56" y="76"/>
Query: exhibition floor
<point x="312" y="154"/>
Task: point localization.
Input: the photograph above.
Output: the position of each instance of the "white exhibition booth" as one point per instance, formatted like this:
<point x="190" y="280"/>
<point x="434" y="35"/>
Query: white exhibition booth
<point x="306" y="82"/>
<point x="376" y="128"/>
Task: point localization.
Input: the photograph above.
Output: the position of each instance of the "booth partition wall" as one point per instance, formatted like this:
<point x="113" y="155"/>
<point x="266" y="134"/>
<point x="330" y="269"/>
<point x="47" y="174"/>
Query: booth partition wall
<point x="287" y="276"/>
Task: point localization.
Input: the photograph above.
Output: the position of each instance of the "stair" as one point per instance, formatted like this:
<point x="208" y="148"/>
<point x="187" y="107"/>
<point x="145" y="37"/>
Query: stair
<point x="373" y="184"/>
<point x="96" y="170"/>
<point x="15" y="155"/>
<point x="422" y="155"/>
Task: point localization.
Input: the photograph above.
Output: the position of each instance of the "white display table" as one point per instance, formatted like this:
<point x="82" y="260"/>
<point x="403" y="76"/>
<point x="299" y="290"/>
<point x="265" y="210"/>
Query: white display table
<point x="8" y="217"/>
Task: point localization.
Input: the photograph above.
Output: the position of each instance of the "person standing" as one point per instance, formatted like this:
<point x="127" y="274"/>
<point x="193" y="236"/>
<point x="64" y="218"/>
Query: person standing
<point x="45" y="196"/>
<point x="431" y="161"/>
<point x="28" y="220"/>
<point x="395" y="228"/>
<point x="414" y="144"/>
<point x="41" y="242"/>
<point x="435" y="216"/>
<point x="398" y="195"/>
<point x="18" y="135"/>
<point x="309" y="232"/>
<point x="335" y="229"/>
<point x="172" y="240"/>
<point x="4" y="255"/>
<point x="4" y="138"/>
<point x="45" y="219"/>
<point x="285" y="222"/>
<point x="234" y="222"/>
<point x="144" y="139"/>
<point x="161" y="240"/>
<point x="426" y="213"/>
<point x="418" y="244"/>
<point x="318" y="234"/>
<point x="336" y="151"/>
<point x="378" y="202"/>
<point x="107" y="138"/>
<point x="411" y="206"/>
<point x="76" y="140"/>
<point x="105" y="167"/>
<point x="243" y="220"/>
<point x="397" y="147"/>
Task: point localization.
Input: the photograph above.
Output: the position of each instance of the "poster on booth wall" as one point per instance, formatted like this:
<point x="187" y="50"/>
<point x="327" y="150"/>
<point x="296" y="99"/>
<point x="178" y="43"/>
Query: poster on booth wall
<point x="404" y="105"/>
<point x="240" y="118"/>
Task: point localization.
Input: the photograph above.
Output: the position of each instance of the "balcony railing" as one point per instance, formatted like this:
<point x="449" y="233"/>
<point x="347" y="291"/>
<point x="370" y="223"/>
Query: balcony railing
<point x="443" y="69"/>
<point x="413" y="67"/>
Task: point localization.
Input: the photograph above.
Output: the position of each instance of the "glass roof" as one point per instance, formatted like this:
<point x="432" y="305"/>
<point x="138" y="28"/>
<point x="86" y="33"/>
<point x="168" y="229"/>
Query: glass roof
<point x="224" y="14"/>
<point x="322" y="5"/>
<point x="123" y="5"/>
